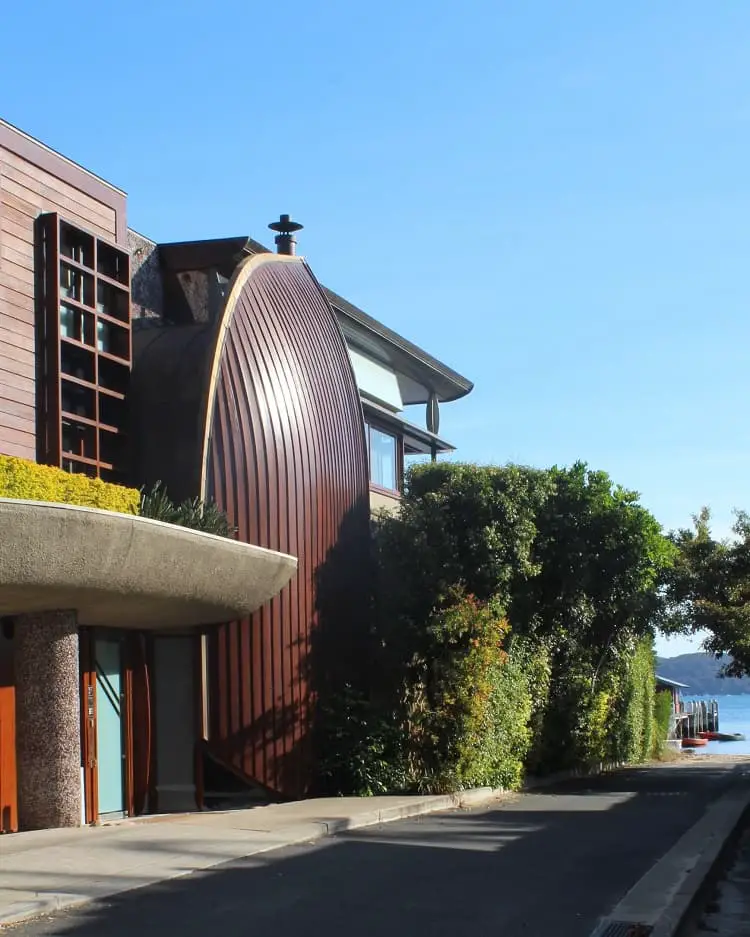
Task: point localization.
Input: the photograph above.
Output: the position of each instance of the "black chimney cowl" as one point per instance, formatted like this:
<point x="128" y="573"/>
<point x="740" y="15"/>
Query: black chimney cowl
<point x="285" y="240"/>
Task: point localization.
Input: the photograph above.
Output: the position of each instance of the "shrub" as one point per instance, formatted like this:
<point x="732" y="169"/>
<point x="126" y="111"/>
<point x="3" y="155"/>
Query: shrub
<point x="194" y="513"/>
<point x="535" y="660"/>
<point x="456" y="695"/>
<point x="458" y="524"/>
<point x="30" y="481"/>
<point x="662" y="720"/>
<point x="361" y="751"/>
<point x="513" y="703"/>
<point x="475" y="730"/>
<point x="633" y="729"/>
<point x="595" y="728"/>
<point x="577" y="725"/>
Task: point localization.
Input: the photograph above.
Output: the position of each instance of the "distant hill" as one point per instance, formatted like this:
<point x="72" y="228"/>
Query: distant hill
<point x="700" y="671"/>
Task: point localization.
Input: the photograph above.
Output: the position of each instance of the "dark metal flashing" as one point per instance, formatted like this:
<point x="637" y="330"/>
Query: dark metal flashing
<point x="223" y="254"/>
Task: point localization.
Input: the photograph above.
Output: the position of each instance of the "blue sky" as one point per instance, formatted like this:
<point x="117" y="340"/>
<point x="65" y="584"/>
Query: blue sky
<point x="551" y="197"/>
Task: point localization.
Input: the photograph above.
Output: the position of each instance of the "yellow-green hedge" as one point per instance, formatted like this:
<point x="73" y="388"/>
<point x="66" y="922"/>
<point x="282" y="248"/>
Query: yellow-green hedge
<point x="20" y="478"/>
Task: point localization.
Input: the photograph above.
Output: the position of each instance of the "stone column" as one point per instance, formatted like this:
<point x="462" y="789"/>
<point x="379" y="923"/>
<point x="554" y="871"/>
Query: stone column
<point x="48" y="720"/>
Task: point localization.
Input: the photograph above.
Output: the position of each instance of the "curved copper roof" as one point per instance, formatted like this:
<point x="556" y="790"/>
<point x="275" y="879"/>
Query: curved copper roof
<point x="260" y="412"/>
<point x="224" y="254"/>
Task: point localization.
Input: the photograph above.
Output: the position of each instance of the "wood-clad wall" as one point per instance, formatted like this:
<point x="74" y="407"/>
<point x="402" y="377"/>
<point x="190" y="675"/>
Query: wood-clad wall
<point x="34" y="180"/>
<point x="286" y="459"/>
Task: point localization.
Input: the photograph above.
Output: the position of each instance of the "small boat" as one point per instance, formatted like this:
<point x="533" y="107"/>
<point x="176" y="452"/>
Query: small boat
<point x="694" y="743"/>
<point x="726" y="737"/>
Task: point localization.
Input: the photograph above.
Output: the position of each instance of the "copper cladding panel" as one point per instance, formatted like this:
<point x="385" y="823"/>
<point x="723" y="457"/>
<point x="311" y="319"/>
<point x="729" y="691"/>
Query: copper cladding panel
<point x="286" y="459"/>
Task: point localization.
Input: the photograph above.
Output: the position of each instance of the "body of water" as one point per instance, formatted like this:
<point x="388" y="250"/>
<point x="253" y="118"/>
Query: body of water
<point x="734" y="716"/>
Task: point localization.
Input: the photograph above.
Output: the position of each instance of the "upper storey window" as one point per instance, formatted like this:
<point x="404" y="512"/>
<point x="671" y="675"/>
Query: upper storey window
<point x="85" y="344"/>
<point x="383" y="459"/>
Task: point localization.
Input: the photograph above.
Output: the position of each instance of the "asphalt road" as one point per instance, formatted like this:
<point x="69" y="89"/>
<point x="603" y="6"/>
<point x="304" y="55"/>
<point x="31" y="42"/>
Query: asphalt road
<point x="547" y="864"/>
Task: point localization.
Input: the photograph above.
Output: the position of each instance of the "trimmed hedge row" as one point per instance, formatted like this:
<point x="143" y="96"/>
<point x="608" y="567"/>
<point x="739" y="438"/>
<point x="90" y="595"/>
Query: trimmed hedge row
<point x="30" y="481"/>
<point x="511" y="632"/>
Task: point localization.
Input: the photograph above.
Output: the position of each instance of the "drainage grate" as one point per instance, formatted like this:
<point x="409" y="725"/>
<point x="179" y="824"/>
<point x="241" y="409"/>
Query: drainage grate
<point x="622" y="929"/>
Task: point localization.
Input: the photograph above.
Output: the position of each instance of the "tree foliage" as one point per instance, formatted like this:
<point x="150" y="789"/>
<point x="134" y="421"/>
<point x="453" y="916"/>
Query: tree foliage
<point x="513" y="630"/>
<point x="600" y="556"/>
<point x="708" y="589"/>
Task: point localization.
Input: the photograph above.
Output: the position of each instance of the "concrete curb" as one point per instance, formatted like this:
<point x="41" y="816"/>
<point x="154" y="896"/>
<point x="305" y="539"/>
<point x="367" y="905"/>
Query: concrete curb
<point x="28" y="910"/>
<point x="664" y="897"/>
<point x="293" y="835"/>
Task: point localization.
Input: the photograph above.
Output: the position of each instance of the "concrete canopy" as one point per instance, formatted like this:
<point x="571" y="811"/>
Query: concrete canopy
<point x="121" y="571"/>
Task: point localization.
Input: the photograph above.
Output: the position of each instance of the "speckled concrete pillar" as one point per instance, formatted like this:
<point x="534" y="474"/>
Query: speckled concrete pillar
<point x="48" y="722"/>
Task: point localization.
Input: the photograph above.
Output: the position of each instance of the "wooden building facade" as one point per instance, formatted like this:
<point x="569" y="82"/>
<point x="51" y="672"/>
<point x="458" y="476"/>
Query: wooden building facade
<point x="228" y="373"/>
<point x="62" y="231"/>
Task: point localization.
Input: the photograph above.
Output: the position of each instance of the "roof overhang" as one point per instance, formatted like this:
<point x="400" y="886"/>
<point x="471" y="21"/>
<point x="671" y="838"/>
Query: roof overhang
<point x="665" y="681"/>
<point x="117" y="570"/>
<point x="416" y="440"/>
<point x="373" y="338"/>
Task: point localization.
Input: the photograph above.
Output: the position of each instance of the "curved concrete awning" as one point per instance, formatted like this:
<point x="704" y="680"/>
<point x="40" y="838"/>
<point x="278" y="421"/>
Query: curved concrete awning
<point x="117" y="570"/>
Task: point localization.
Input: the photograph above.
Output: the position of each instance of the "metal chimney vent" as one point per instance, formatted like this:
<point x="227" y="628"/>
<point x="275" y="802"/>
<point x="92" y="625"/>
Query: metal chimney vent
<point x="285" y="240"/>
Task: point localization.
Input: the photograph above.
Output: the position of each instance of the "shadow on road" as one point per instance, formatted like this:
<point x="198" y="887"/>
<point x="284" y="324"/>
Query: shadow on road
<point x="547" y="863"/>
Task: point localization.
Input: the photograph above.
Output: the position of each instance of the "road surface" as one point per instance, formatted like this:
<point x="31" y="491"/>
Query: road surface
<point x="544" y="864"/>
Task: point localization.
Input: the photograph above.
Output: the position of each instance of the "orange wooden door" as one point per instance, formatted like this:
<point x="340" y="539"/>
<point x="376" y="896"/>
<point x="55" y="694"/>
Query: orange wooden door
<point x="8" y="801"/>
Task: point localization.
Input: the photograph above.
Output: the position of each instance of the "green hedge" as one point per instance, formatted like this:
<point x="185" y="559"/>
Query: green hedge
<point x="662" y="719"/>
<point x="634" y="727"/>
<point x="462" y="718"/>
<point x="30" y="481"/>
<point x="474" y="731"/>
<point x="511" y="631"/>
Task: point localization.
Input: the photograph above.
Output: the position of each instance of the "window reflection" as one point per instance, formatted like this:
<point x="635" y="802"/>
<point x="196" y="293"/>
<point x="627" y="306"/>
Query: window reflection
<point x="383" y="468"/>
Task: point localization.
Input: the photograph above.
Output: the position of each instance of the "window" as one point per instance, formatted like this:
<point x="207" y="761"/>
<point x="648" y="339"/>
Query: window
<point x="383" y="459"/>
<point x="85" y="282"/>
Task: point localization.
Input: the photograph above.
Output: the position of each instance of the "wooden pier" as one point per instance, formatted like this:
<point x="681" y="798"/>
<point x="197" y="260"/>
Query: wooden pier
<point x="695" y="716"/>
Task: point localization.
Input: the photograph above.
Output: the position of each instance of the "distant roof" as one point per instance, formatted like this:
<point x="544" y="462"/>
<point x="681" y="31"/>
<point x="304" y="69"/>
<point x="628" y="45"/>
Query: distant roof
<point x="667" y="682"/>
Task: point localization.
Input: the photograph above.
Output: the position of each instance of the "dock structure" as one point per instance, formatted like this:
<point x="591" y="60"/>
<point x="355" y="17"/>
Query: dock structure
<point x="696" y="716"/>
<point x="689" y="717"/>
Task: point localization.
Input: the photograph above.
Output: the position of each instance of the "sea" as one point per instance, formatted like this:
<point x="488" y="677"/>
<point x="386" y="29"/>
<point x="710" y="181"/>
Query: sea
<point x="734" y="716"/>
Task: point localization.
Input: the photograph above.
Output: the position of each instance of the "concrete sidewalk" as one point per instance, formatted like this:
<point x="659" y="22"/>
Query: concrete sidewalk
<point x="50" y="870"/>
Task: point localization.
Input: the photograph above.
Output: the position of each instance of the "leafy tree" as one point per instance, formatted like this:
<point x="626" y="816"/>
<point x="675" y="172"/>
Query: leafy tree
<point x="577" y="563"/>
<point x="709" y="590"/>
<point x="600" y="557"/>
<point x="460" y="525"/>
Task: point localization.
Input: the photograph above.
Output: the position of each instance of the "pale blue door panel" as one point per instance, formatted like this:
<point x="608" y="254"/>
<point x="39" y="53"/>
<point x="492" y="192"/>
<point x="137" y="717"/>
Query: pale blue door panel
<point x="109" y="735"/>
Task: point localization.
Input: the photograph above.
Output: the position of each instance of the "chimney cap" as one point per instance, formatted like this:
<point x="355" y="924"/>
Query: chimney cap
<point x="285" y="225"/>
